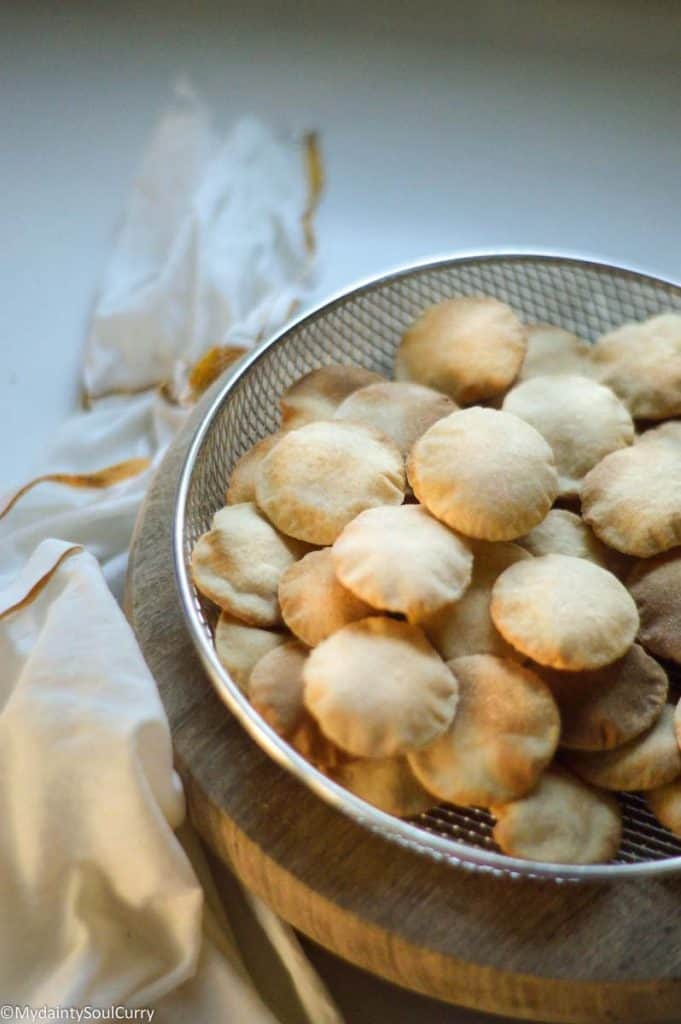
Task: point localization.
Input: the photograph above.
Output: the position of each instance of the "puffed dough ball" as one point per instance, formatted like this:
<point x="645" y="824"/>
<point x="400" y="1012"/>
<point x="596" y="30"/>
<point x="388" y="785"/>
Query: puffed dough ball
<point x="665" y="803"/>
<point x="581" y="420"/>
<point x="378" y="689"/>
<point x="319" y="477"/>
<point x="242" y="480"/>
<point x="632" y="498"/>
<point x="239" y="562"/>
<point x="317" y="395"/>
<point x="466" y="627"/>
<point x="562" y="821"/>
<point x="386" y="782"/>
<point x="650" y="760"/>
<point x="401" y="410"/>
<point x="402" y="560"/>
<point x="485" y="473"/>
<point x="564" y="612"/>
<point x="552" y="350"/>
<point x="655" y="585"/>
<point x="470" y="348"/>
<point x="239" y="647"/>
<point x="604" y="708"/>
<point x="314" y="604"/>
<point x="504" y="733"/>
<point x="564" y="533"/>
<point x="641" y="362"/>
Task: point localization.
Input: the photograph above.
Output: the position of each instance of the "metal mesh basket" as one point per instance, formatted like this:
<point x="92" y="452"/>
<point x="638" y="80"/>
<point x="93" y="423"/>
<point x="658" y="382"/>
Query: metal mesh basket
<point x="364" y="327"/>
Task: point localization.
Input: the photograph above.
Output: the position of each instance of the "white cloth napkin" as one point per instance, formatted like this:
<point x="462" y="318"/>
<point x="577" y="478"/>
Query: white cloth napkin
<point x="100" y="902"/>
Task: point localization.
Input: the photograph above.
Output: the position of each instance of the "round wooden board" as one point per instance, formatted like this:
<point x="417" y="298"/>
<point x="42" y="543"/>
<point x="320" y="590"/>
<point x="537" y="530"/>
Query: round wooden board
<point x="526" y="949"/>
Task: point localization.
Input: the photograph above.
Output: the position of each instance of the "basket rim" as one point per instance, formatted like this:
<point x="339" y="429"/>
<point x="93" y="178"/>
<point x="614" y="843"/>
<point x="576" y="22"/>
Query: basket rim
<point x="404" y="833"/>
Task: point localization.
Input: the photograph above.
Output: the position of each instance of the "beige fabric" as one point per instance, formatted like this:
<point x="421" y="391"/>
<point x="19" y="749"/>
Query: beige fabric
<point x="319" y="477"/>
<point x="562" y="821"/>
<point x="466" y="627"/>
<point x="581" y="420"/>
<point x="239" y="646"/>
<point x="314" y="604"/>
<point x="641" y="362"/>
<point x="646" y="762"/>
<point x="565" y="533"/>
<point x="607" y="707"/>
<point x="401" y="410"/>
<point x="504" y="733"/>
<point x="655" y="585"/>
<point x="552" y="350"/>
<point x="388" y="783"/>
<point x="403" y="560"/>
<point x="318" y="394"/>
<point x="378" y="689"/>
<point x="245" y="473"/>
<point x="632" y="498"/>
<point x="470" y="348"/>
<point x="564" y="612"/>
<point x="456" y="466"/>
<point x="239" y="562"/>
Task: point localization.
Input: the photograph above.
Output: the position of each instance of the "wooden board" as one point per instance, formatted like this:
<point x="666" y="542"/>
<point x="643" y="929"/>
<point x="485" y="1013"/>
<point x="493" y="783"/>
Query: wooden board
<point x="527" y="949"/>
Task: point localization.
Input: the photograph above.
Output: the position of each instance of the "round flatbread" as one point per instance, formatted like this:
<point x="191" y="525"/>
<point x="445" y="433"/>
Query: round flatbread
<point x="470" y="348"/>
<point x="317" y="395"/>
<point x="641" y="362"/>
<point x="564" y="533"/>
<point x="632" y="498"/>
<point x="564" y="612"/>
<point x="456" y="468"/>
<point x="646" y="762"/>
<point x="504" y="733"/>
<point x="314" y="604"/>
<point x="562" y="821"/>
<point x="402" y="560"/>
<point x="552" y="351"/>
<point x="377" y="688"/>
<point x="401" y="410"/>
<point x="318" y="478"/>
<point x="605" y="708"/>
<point x="386" y="782"/>
<point x="242" y="479"/>
<point x="239" y="647"/>
<point x="655" y="585"/>
<point x="581" y="420"/>
<point x="665" y="803"/>
<point x="466" y="626"/>
<point x="239" y="562"/>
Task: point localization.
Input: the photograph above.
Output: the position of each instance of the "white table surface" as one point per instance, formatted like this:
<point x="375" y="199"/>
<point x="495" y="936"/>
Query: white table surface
<point x="444" y="126"/>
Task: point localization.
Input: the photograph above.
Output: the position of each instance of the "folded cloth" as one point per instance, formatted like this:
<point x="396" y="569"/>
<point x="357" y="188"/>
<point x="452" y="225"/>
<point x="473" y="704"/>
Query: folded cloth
<point x="101" y="903"/>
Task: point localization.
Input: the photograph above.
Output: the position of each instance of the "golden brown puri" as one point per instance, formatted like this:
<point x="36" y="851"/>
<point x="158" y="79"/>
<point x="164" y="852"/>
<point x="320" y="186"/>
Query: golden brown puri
<point x="665" y="803"/>
<point x="401" y="559"/>
<point x="641" y="362"/>
<point x="552" y="351"/>
<point x="650" y="760"/>
<point x="469" y="348"/>
<point x="386" y="782"/>
<point x="239" y="562"/>
<point x="580" y="419"/>
<point x="314" y="604"/>
<point x="503" y="735"/>
<point x="655" y="585"/>
<point x="317" y="395"/>
<point x="466" y="627"/>
<point x="319" y="477"/>
<point x="378" y="689"/>
<point x="632" y="498"/>
<point x="275" y="689"/>
<point x="562" y="821"/>
<point x="401" y="410"/>
<point x="239" y="646"/>
<point x="242" y="479"/>
<point x="563" y="532"/>
<point x="485" y="473"/>
<point x="564" y="612"/>
<point x="607" y="707"/>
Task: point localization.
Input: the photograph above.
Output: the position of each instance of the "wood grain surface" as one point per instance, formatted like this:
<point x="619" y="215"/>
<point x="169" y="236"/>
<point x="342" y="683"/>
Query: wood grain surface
<point x="528" y="949"/>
